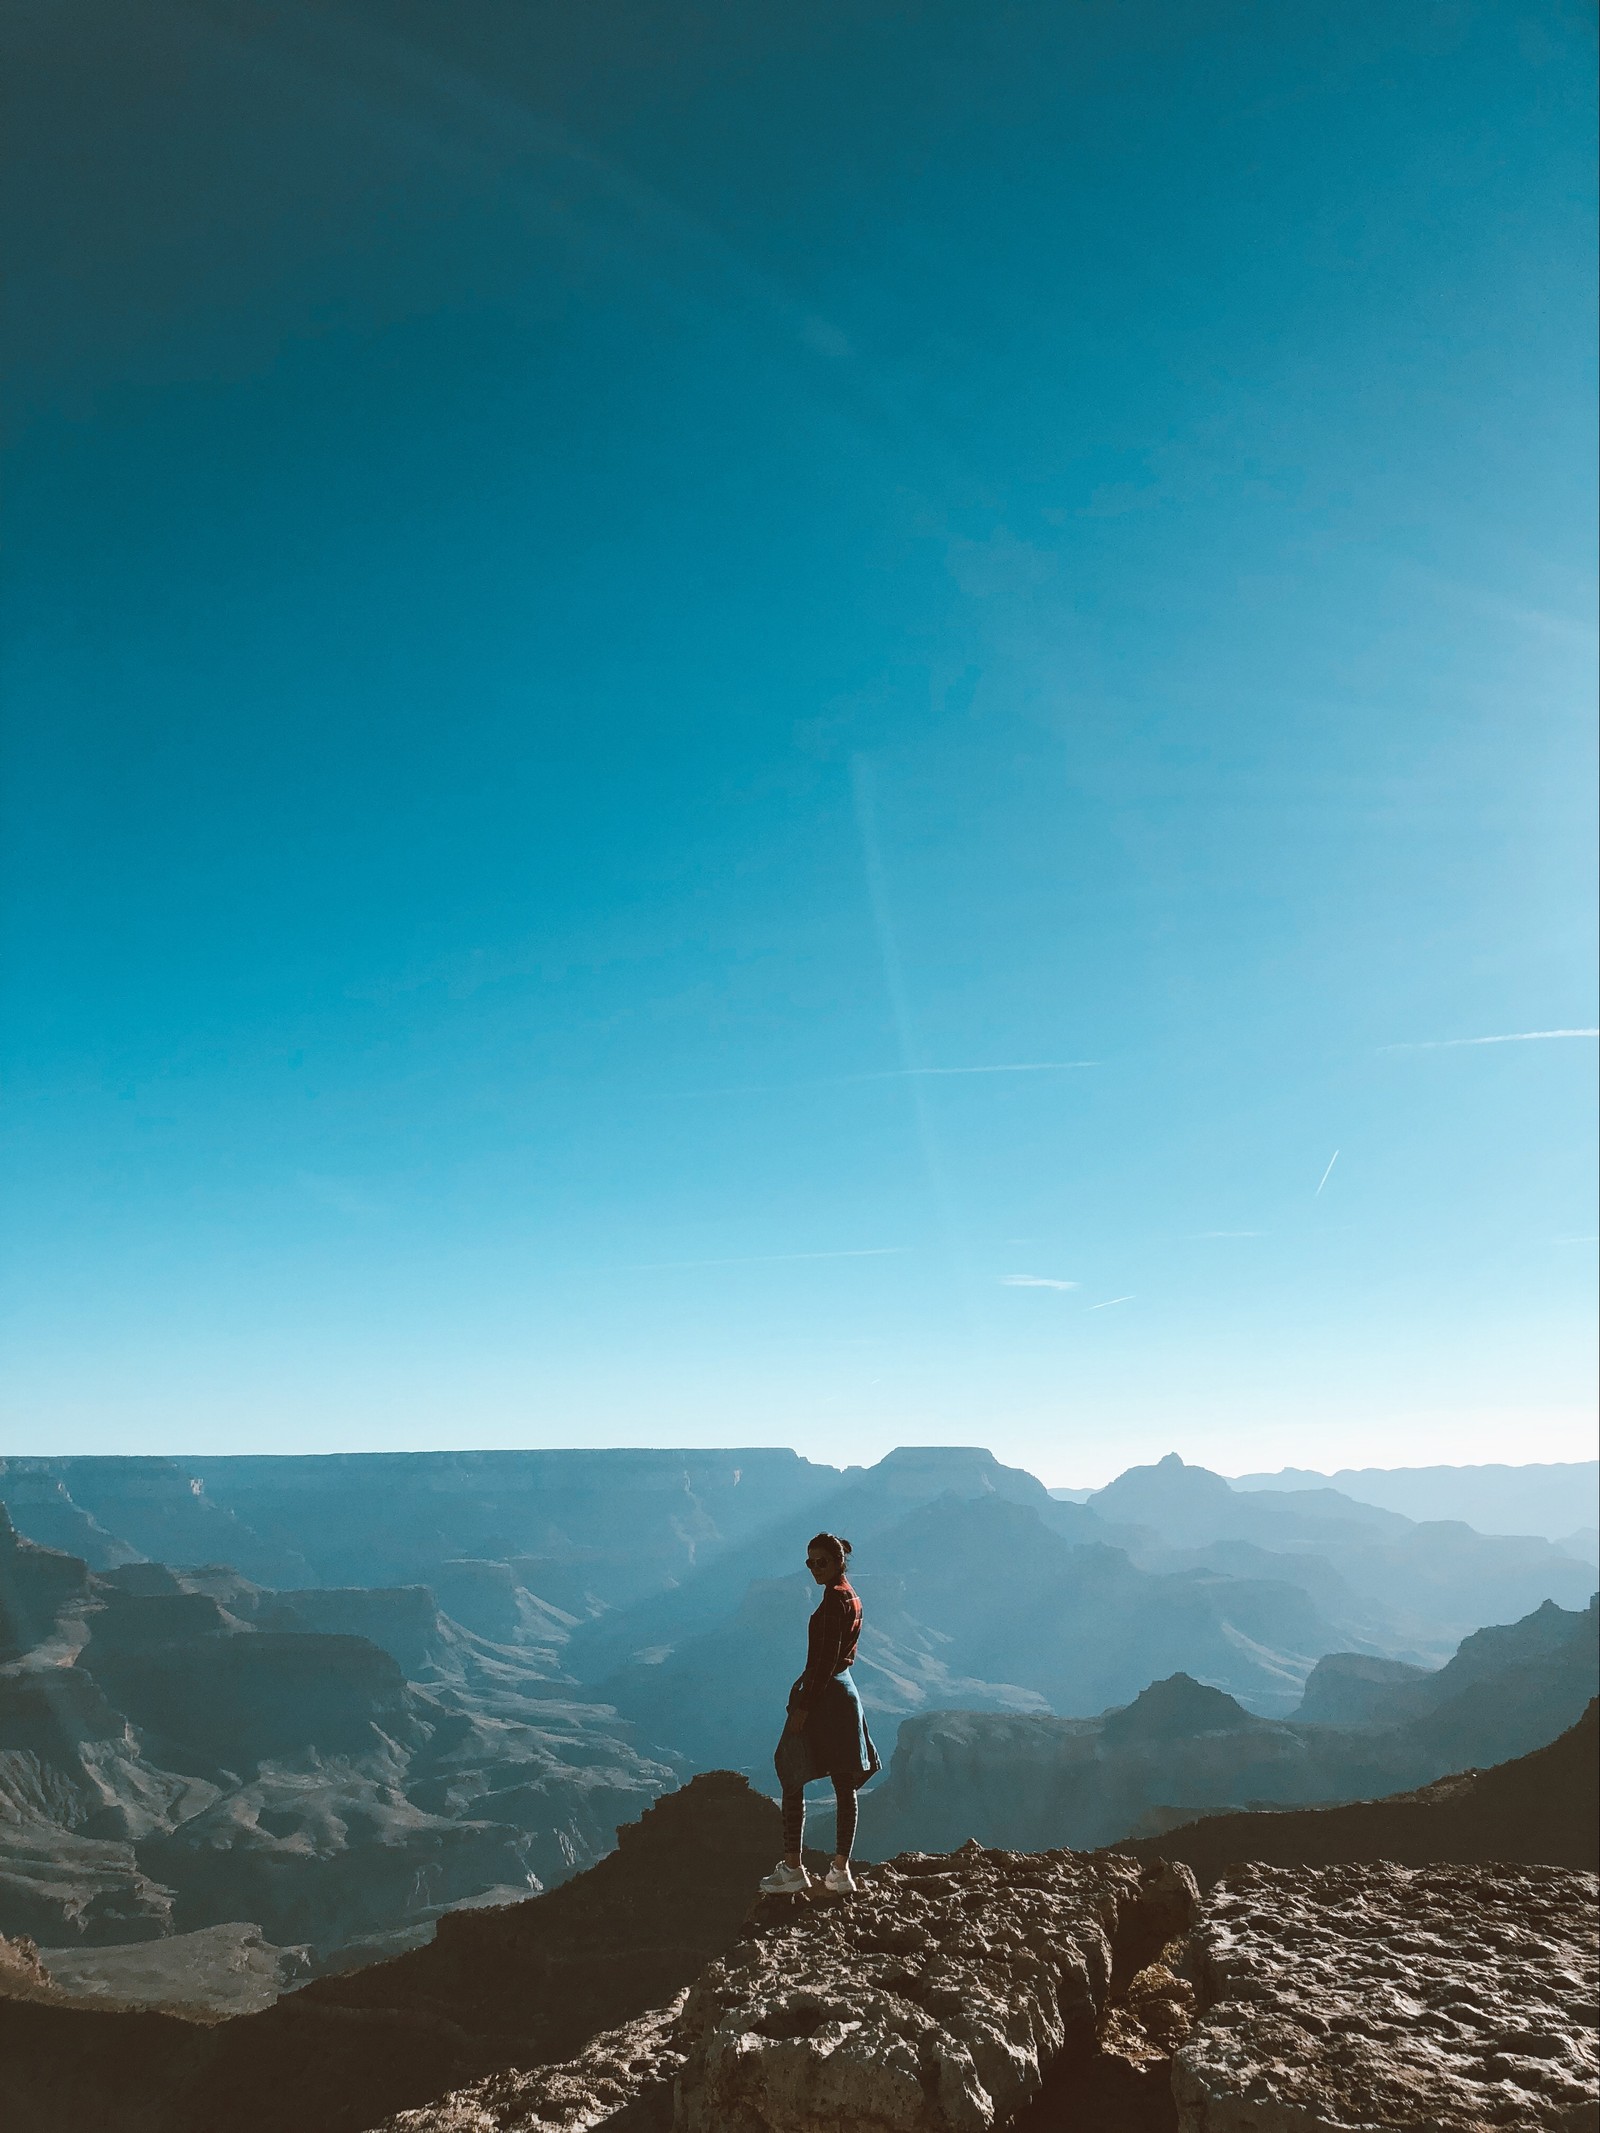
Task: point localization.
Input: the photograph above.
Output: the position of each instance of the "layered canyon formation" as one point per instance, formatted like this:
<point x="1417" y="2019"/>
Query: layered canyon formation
<point x="326" y="1701"/>
<point x="1182" y="1748"/>
<point x="186" y="1750"/>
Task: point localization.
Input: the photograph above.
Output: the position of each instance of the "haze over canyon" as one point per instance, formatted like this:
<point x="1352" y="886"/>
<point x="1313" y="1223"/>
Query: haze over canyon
<point x="330" y="1699"/>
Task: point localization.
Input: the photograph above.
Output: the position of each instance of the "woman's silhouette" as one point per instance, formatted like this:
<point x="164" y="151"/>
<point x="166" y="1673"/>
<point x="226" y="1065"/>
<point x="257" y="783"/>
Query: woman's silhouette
<point x="826" y="1731"/>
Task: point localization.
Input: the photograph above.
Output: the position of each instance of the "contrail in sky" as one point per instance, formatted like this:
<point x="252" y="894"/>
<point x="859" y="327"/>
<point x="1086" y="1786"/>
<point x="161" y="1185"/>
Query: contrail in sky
<point x="1035" y="1281"/>
<point x="1516" y="1036"/>
<point x="1110" y="1300"/>
<point x="880" y="1251"/>
<point x="1328" y="1173"/>
<point x="1033" y="1066"/>
<point x="902" y="1073"/>
<point x="864" y="793"/>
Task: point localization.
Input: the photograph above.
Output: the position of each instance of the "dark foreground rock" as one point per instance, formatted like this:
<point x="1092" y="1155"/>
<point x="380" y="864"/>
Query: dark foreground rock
<point x="1445" y="1998"/>
<point x="621" y="2082"/>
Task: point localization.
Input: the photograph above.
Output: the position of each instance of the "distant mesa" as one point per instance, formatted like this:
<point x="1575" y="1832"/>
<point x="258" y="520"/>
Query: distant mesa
<point x="1543" y="1499"/>
<point x="923" y="1470"/>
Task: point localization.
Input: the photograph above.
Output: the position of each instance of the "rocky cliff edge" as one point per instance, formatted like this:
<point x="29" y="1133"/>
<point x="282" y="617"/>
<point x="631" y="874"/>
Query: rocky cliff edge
<point x="982" y="1990"/>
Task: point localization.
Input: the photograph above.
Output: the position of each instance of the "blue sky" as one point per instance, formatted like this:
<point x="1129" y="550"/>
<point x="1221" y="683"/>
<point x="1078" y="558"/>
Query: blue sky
<point x="761" y="726"/>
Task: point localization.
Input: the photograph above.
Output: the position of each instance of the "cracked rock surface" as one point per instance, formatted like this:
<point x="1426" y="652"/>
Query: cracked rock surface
<point x="933" y="2001"/>
<point x="1440" y="1999"/>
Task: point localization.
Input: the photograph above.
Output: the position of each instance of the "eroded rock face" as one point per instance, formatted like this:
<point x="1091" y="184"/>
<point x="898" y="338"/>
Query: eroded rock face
<point x="183" y="1749"/>
<point x="1445" y="1998"/>
<point x="933" y="2001"/>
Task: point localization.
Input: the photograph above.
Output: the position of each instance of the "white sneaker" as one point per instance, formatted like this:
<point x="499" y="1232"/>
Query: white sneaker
<point x="785" y="1880"/>
<point x="840" y="1880"/>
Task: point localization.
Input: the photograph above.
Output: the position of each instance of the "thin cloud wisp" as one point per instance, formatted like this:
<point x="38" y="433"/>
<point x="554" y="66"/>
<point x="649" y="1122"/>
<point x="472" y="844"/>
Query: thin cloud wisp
<point x="1516" y="1036"/>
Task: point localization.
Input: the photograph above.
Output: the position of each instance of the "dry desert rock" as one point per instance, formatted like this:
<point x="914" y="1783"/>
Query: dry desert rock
<point x="933" y="2001"/>
<point x="1439" y="1999"/>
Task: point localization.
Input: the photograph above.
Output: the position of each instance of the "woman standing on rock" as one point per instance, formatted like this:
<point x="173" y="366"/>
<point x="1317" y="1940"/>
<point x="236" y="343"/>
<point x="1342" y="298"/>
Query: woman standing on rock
<point x="826" y="1731"/>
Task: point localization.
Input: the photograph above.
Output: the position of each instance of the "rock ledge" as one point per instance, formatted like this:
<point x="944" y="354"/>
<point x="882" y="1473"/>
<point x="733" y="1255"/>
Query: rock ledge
<point x="934" y="2001"/>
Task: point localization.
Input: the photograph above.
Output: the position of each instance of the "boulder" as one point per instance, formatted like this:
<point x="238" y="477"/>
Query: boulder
<point x="1444" y="1999"/>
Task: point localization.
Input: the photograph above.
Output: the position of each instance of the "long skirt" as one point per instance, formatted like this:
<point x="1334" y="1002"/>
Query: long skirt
<point x="833" y="1742"/>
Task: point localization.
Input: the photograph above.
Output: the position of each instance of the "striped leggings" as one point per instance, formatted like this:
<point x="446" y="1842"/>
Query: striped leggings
<point x="794" y="1819"/>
